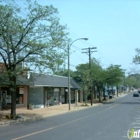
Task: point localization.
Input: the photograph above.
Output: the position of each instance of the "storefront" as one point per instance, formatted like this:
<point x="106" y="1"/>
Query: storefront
<point x="50" y="90"/>
<point x="5" y="96"/>
<point x="52" y="96"/>
<point x="41" y="97"/>
<point x="36" y="97"/>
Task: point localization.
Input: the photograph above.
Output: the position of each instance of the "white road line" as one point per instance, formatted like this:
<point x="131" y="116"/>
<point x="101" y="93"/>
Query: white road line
<point x="37" y="132"/>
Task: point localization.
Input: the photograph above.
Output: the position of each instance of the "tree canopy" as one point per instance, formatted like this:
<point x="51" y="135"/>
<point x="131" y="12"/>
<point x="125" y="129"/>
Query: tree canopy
<point x="136" y="58"/>
<point x="36" y="38"/>
<point x="114" y="75"/>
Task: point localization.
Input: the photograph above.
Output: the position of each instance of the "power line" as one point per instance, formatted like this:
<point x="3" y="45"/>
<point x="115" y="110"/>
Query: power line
<point x="91" y="44"/>
<point x="22" y="5"/>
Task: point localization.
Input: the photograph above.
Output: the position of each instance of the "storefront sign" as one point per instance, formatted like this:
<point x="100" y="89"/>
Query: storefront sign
<point x="56" y="89"/>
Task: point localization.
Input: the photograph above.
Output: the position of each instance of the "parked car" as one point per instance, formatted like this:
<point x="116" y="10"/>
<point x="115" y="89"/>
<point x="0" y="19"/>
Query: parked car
<point x="138" y="90"/>
<point x="135" y="94"/>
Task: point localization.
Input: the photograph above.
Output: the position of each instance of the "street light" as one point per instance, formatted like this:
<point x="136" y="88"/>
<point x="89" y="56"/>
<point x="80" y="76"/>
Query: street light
<point x="69" y="69"/>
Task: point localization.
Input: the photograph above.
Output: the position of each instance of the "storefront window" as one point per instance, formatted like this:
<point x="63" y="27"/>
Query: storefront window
<point x="52" y="98"/>
<point x="20" y="96"/>
<point x="5" y="96"/>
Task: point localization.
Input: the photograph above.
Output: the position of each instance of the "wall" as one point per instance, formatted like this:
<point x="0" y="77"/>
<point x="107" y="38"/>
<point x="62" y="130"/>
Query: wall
<point x="36" y="96"/>
<point x="26" y="92"/>
<point x="62" y="94"/>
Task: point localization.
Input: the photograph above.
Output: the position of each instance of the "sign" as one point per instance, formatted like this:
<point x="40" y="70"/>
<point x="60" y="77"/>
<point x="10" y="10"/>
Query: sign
<point x="56" y="89"/>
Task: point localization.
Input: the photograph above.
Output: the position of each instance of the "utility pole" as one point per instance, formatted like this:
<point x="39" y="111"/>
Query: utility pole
<point x="89" y="52"/>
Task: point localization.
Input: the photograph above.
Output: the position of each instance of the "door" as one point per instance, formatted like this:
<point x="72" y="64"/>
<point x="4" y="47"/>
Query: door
<point x="4" y="97"/>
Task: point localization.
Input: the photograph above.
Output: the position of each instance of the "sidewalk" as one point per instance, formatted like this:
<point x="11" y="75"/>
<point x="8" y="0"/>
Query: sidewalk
<point x="40" y="113"/>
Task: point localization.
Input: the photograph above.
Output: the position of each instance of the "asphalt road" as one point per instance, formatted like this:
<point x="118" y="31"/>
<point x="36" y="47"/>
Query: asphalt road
<point x="110" y="121"/>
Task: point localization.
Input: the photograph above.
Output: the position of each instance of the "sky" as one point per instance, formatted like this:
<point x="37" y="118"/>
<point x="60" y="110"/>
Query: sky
<point x="113" y="26"/>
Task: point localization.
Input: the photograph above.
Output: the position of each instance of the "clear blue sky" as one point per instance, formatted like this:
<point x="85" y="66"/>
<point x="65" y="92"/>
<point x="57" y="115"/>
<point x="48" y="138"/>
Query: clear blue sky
<point x="113" y="26"/>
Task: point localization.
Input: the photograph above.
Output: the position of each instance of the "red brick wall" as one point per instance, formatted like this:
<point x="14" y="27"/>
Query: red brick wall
<point x="2" y="67"/>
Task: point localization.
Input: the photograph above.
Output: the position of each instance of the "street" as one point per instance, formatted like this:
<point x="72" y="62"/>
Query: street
<point x="110" y="121"/>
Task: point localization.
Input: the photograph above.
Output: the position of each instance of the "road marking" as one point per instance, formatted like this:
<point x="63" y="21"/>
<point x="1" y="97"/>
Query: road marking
<point x="137" y="118"/>
<point x="37" y="132"/>
<point x="135" y="123"/>
<point x="136" y="127"/>
<point x="124" y="136"/>
<point x="113" y="106"/>
<point x="33" y="133"/>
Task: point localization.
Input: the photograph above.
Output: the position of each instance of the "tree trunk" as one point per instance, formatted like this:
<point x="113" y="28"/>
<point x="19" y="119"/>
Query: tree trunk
<point x="13" y="96"/>
<point x="91" y="93"/>
<point x="98" y="89"/>
<point x="13" y="105"/>
<point x="99" y="96"/>
<point x="117" y="90"/>
<point x="94" y="91"/>
<point x="85" y="95"/>
<point x="104" y="93"/>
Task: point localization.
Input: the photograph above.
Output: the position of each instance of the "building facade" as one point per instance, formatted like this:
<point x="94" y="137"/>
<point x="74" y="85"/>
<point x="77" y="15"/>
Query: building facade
<point x="38" y="89"/>
<point x="49" y="90"/>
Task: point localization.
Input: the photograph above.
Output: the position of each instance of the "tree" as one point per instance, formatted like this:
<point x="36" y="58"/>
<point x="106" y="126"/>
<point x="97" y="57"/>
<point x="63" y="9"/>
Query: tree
<point x="98" y="76"/>
<point x="36" y="38"/>
<point x="114" y="75"/>
<point x="64" y="73"/>
<point x="81" y="76"/>
<point x="85" y="77"/>
<point x="136" y="59"/>
<point x="133" y="80"/>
